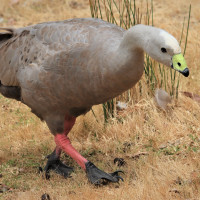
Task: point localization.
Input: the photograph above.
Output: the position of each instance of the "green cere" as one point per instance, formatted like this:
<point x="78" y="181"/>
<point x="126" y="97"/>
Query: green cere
<point x="179" y="63"/>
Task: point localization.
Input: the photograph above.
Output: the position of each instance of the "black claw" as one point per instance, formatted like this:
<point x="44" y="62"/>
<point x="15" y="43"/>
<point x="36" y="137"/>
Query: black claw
<point x="120" y="178"/>
<point x="47" y="175"/>
<point x="116" y="173"/>
<point x="40" y="170"/>
<point x="98" y="177"/>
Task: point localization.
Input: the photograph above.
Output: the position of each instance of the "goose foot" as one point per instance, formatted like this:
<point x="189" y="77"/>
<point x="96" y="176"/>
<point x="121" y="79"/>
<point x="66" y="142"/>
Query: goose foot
<point x="98" y="177"/>
<point x="57" y="166"/>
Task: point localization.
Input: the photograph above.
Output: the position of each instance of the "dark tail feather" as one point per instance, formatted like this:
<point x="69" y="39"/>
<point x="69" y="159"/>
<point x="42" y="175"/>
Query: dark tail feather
<point x="12" y="92"/>
<point x="6" y="34"/>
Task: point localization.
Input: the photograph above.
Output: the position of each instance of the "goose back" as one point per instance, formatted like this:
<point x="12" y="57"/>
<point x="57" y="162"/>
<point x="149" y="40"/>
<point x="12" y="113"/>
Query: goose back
<point x="58" y="66"/>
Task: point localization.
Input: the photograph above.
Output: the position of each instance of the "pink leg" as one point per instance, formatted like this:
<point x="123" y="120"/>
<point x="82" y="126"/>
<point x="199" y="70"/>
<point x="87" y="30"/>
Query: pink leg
<point x="63" y="142"/>
<point x="94" y="174"/>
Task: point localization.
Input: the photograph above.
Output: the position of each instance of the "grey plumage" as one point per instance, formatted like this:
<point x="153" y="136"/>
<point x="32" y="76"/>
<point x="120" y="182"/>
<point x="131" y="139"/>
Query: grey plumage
<point x="53" y="64"/>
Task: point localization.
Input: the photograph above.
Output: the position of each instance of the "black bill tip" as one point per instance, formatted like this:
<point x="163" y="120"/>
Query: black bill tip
<point x="185" y="72"/>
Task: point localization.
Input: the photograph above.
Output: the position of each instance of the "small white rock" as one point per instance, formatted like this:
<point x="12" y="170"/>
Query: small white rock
<point x="121" y="105"/>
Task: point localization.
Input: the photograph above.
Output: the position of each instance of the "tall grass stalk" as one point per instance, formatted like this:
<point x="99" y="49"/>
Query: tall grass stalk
<point x="125" y="13"/>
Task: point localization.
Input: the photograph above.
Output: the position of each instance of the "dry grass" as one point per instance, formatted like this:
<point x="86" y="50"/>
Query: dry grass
<point x="170" y="139"/>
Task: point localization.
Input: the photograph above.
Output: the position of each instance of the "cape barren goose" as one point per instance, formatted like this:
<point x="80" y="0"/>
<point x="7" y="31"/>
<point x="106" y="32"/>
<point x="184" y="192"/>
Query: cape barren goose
<point x="61" y="69"/>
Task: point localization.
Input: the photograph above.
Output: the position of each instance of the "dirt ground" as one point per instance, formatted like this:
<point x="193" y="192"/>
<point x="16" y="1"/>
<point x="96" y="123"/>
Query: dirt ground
<point x="160" y="148"/>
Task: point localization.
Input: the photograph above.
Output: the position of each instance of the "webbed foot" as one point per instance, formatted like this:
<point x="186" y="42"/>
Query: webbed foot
<point x="98" y="177"/>
<point x="56" y="165"/>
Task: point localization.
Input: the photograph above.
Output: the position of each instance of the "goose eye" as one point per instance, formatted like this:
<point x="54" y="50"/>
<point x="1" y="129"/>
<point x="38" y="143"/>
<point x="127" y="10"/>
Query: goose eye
<point x="163" y="50"/>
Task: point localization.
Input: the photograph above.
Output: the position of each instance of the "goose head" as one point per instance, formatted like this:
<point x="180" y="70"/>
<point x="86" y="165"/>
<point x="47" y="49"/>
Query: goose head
<point x="164" y="48"/>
